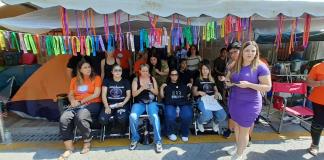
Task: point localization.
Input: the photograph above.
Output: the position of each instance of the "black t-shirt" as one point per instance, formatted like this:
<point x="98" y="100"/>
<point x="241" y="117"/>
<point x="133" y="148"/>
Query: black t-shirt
<point x="176" y="95"/>
<point x="220" y="65"/>
<point x="116" y="91"/>
<point x="95" y="62"/>
<point x="205" y="86"/>
<point x="185" y="76"/>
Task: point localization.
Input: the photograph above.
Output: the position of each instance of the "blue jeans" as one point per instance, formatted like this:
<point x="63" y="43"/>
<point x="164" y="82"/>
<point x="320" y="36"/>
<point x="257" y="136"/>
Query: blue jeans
<point x="217" y="116"/>
<point x="185" y="115"/>
<point x="152" y="110"/>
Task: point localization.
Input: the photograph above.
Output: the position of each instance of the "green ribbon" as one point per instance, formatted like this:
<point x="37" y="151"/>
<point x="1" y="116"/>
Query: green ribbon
<point x="186" y="32"/>
<point x="61" y="44"/>
<point x="14" y="41"/>
<point x="56" y="45"/>
<point x="30" y="43"/>
<point x="49" y="45"/>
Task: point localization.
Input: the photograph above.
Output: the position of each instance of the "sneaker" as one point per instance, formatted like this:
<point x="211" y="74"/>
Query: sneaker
<point x="237" y="157"/>
<point x="215" y="127"/>
<point x="295" y="121"/>
<point x="227" y="133"/>
<point x="232" y="151"/>
<point x="200" y="127"/>
<point x="250" y="142"/>
<point x="287" y="118"/>
<point x="185" y="139"/>
<point x="158" y="147"/>
<point x="172" y="137"/>
<point x="133" y="145"/>
<point x="313" y="150"/>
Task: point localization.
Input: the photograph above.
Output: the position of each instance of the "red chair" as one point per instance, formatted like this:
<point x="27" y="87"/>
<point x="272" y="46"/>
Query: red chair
<point x="280" y="103"/>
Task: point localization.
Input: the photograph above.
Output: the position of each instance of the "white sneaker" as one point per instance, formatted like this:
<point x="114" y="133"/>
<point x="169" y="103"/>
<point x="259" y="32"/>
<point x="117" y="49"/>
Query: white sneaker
<point x="232" y="150"/>
<point x="237" y="157"/>
<point x="185" y="139"/>
<point x="295" y="121"/>
<point x="215" y="127"/>
<point x="172" y="137"/>
<point x="200" y="127"/>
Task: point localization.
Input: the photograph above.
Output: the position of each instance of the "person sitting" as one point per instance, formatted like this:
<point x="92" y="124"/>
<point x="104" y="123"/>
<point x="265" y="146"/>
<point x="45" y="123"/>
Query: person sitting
<point x="107" y="65"/>
<point x="85" y="106"/>
<point x="144" y="91"/>
<point x="116" y="93"/>
<point x="205" y="85"/>
<point x="159" y="69"/>
<point x="185" y="76"/>
<point x="175" y="95"/>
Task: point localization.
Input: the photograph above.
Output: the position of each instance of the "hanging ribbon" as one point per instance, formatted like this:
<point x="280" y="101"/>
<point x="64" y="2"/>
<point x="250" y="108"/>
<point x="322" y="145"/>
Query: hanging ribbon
<point x="93" y="45"/>
<point x="120" y="34"/>
<point x="110" y="46"/>
<point x="69" y="44"/>
<point x="38" y="45"/>
<point x="222" y="28"/>
<point x="115" y="26"/>
<point x="30" y="44"/>
<point x="14" y="41"/>
<point x="101" y="43"/>
<point x="82" y="45"/>
<point x="2" y="40"/>
<point x="292" y="34"/>
<point x="86" y="22"/>
<point x="279" y="31"/>
<point x="49" y="45"/>
<point x="238" y="28"/>
<point x="75" y="45"/>
<point x="106" y="26"/>
<point x="77" y="22"/>
<point x="88" y="45"/>
<point x="307" y="26"/>
<point x="92" y="22"/>
<point x="56" y="45"/>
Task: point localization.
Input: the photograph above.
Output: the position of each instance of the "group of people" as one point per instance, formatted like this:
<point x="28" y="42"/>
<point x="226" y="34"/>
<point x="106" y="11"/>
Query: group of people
<point x="116" y="100"/>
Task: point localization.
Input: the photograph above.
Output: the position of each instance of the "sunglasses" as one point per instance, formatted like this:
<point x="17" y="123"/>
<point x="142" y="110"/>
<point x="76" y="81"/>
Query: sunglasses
<point x="117" y="70"/>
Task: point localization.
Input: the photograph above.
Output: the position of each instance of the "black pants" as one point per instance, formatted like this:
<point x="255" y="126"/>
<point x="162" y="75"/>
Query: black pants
<point x="81" y="118"/>
<point x="117" y="118"/>
<point x="317" y="123"/>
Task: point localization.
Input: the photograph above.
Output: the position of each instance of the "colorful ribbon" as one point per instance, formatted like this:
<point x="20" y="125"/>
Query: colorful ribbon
<point x="30" y="43"/>
<point x="307" y="26"/>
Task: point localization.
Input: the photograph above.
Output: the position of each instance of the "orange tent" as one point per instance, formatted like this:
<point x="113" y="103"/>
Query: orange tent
<point x="36" y="97"/>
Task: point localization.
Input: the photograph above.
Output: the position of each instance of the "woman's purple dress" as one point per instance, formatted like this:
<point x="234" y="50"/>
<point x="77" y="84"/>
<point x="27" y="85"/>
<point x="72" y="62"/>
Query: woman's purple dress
<point x="245" y="103"/>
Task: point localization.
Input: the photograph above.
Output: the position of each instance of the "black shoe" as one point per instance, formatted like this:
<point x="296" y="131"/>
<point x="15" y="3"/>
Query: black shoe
<point x="227" y="133"/>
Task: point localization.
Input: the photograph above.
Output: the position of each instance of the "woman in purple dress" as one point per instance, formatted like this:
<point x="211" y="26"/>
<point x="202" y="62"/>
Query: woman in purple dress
<point x="247" y="79"/>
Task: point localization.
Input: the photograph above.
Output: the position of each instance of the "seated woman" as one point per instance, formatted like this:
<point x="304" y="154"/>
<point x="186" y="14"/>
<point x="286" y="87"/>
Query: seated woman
<point x="84" y="97"/>
<point x="116" y="93"/>
<point x="159" y="69"/>
<point x="175" y="94"/>
<point x="205" y="85"/>
<point x="144" y="91"/>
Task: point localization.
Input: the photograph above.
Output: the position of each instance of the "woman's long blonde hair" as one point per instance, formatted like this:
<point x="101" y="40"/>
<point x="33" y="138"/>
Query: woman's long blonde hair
<point x="255" y="62"/>
<point x="210" y="77"/>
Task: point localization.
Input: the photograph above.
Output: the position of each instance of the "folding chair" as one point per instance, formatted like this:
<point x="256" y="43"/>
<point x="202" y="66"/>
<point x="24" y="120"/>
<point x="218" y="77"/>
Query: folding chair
<point x="280" y="103"/>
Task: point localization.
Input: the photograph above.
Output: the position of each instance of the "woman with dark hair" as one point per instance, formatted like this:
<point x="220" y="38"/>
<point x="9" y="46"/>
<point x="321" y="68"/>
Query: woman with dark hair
<point x="193" y="60"/>
<point x="315" y="79"/>
<point x="185" y="76"/>
<point x="116" y="93"/>
<point x="144" y="91"/>
<point x="85" y="105"/>
<point x="107" y="65"/>
<point x="247" y="79"/>
<point x="175" y="95"/>
<point x="205" y="85"/>
<point x="159" y="69"/>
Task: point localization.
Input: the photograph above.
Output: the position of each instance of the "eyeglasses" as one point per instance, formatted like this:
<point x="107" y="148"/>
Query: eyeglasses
<point x="117" y="70"/>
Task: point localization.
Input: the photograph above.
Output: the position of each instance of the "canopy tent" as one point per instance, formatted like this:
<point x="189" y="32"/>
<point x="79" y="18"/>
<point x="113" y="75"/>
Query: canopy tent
<point x="191" y="8"/>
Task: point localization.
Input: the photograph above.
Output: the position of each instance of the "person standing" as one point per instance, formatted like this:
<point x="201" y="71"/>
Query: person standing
<point x="315" y="79"/>
<point x="247" y="79"/>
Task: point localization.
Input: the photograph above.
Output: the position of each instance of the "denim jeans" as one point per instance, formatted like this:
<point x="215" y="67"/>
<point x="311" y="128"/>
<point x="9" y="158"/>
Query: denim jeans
<point x="217" y="116"/>
<point x="185" y="116"/>
<point x="152" y="111"/>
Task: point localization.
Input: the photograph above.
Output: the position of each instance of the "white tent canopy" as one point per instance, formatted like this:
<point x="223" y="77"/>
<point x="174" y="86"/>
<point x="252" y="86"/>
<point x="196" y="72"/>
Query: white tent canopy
<point x="190" y="8"/>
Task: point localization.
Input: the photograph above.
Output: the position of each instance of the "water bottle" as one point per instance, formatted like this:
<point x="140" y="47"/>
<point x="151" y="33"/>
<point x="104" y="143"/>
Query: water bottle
<point x="178" y="111"/>
<point x="7" y="137"/>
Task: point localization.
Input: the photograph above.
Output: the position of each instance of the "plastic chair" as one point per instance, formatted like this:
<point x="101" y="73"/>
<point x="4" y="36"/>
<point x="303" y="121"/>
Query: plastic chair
<point x="279" y="103"/>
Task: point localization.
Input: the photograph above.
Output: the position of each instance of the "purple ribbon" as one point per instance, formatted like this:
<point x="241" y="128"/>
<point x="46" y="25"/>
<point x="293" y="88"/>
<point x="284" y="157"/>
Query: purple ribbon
<point x="77" y="22"/>
<point x="86" y="21"/>
<point x="101" y="43"/>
